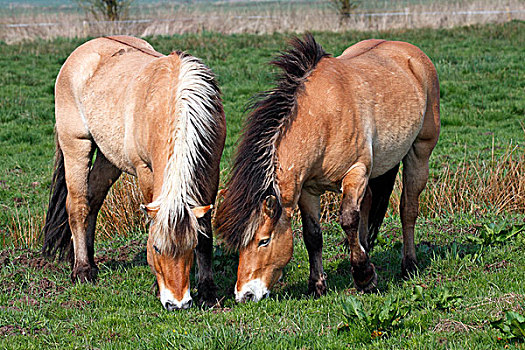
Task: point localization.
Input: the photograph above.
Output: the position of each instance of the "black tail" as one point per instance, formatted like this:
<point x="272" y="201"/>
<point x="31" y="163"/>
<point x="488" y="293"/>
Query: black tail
<point x="57" y="233"/>
<point x="381" y="188"/>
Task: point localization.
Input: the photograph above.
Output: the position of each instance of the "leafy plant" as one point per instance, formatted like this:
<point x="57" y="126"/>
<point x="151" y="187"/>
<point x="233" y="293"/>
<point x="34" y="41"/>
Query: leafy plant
<point x="445" y="299"/>
<point x="440" y="298"/>
<point x="382" y="316"/>
<point x="512" y="325"/>
<point x="496" y="234"/>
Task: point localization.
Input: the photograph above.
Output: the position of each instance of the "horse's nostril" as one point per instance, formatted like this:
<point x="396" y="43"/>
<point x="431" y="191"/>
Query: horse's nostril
<point x="170" y="306"/>
<point x="248" y="296"/>
<point x="187" y="304"/>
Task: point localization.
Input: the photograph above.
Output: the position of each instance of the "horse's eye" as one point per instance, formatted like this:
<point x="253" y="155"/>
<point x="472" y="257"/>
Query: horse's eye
<point x="264" y="242"/>
<point x="157" y="250"/>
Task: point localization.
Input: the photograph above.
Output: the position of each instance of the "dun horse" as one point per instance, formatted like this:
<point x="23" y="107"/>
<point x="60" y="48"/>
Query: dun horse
<point x="331" y="124"/>
<point x="157" y="117"/>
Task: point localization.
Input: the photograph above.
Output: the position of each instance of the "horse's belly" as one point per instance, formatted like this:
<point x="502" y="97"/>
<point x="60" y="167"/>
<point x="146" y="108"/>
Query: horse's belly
<point x="389" y="149"/>
<point x="111" y="144"/>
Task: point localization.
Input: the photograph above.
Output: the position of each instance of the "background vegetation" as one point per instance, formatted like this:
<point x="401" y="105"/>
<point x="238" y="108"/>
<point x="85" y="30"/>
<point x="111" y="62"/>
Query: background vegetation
<point x="34" y="19"/>
<point x="470" y="245"/>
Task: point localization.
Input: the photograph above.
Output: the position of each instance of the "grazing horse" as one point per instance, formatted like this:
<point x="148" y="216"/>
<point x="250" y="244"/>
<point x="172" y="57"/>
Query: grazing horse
<point x="159" y="118"/>
<point x="331" y="124"/>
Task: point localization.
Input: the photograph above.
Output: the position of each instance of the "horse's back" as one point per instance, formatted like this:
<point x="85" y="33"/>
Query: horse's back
<point x="369" y="104"/>
<point x="92" y="91"/>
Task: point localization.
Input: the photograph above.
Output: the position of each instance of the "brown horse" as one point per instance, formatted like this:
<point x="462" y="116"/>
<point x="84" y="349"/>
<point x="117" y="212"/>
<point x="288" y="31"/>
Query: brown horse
<point x="157" y="117"/>
<point x="336" y="124"/>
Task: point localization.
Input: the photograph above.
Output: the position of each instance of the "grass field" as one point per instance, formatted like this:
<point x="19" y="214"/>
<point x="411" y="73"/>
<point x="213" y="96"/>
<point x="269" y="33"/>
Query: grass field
<point x="471" y="273"/>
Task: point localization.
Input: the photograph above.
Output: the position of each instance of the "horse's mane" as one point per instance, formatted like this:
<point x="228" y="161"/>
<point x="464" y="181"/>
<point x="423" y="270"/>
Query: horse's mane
<point x="253" y="174"/>
<point x="195" y="115"/>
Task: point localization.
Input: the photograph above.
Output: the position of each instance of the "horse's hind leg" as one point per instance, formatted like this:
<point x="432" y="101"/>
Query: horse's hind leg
<point x="102" y="176"/>
<point x="313" y="238"/>
<point x="354" y="188"/>
<point x="77" y="162"/>
<point x="415" y="176"/>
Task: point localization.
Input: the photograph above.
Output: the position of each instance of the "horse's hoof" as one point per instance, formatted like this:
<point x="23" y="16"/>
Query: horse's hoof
<point x="207" y="294"/>
<point x="366" y="279"/>
<point x="84" y="274"/>
<point x="408" y="267"/>
<point x="317" y="288"/>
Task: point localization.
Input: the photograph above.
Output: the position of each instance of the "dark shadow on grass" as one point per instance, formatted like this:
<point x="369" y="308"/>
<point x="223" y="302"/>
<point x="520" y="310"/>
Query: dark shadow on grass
<point x="387" y="261"/>
<point x="139" y="259"/>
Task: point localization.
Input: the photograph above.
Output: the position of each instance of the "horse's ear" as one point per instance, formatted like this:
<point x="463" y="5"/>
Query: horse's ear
<point x="270" y="206"/>
<point x="149" y="210"/>
<point x="201" y="211"/>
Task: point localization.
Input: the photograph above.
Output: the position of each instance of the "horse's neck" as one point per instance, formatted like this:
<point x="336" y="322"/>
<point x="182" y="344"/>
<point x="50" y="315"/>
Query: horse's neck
<point x="291" y="170"/>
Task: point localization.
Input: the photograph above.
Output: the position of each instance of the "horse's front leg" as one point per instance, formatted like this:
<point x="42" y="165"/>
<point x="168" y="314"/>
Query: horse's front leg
<point x="354" y="186"/>
<point x="309" y="206"/>
<point x="207" y="290"/>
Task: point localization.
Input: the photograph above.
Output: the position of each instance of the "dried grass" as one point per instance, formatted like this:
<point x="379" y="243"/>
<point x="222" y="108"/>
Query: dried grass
<point x="448" y="325"/>
<point x="120" y="213"/>
<point x="24" y="228"/>
<point x="260" y="19"/>
<point x="509" y="301"/>
<point x="473" y="186"/>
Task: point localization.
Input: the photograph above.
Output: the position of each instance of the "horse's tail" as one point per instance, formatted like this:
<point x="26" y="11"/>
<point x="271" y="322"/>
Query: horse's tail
<point x="381" y="187"/>
<point x="57" y="233"/>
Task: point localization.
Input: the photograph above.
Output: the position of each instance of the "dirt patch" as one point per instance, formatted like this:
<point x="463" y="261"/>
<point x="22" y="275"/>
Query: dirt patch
<point x="220" y="310"/>
<point x="4" y="258"/>
<point x="19" y="274"/>
<point x="497" y="266"/>
<point x="131" y="252"/>
<point x="9" y="330"/>
<point x="28" y="259"/>
<point x="27" y="300"/>
<point x="75" y="304"/>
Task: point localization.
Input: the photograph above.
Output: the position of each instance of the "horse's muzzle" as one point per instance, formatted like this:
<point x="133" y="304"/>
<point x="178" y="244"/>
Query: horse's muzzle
<point x="172" y="306"/>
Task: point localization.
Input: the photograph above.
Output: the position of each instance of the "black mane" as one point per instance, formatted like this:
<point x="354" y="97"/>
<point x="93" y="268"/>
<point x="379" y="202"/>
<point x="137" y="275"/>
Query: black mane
<point x="253" y="174"/>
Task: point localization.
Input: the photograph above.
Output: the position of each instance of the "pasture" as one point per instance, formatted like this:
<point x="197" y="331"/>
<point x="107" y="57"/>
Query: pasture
<point x="469" y="243"/>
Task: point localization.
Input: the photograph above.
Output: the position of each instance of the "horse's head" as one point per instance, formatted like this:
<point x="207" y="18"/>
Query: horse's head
<point x="262" y="259"/>
<point x="172" y="270"/>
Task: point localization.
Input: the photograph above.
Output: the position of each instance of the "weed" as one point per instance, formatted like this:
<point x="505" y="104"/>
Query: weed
<point x="512" y="325"/>
<point x="497" y="234"/>
<point x="381" y="317"/>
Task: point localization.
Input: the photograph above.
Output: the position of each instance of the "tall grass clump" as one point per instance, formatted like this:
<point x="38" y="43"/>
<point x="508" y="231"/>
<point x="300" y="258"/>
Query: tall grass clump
<point x="120" y="213"/>
<point x="24" y="228"/>
<point x="478" y="186"/>
<point x="474" y="186"/>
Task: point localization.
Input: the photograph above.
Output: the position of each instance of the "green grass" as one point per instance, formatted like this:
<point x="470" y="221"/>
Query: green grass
<point x="483" y="101"/>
